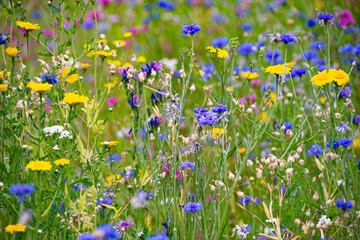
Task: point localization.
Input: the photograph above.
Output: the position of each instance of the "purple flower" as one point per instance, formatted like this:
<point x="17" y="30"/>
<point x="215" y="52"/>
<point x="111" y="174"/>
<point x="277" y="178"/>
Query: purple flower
<point x="245" y="200"/>
<point x="287" y="38"/>
<point x="190" y="29"/>
<point x="192" y="207"/>
<point x="345" y="93"/>
<point x="4" y="38"/>
<point x="311" y="22"/>
<point x="309" y="55"/>
<point x="286" y="126"/>
<point x="219" y="108"/>
<point x="208" y="71"/>
<point x="21" y="190"/>
<point x="106" y="201"/>
<point x="52" y="79"/>
<point x="315" y="150"/>
<point x="325" y="16"/>
<point x="187" y="165"/>
<point x="346" y="19"/>
<point x="332" y="143"/>
<point x="122" y="226"/>
<point x="343" y="126"/>
<point x="315" y="45"/>
<point x="298" y="72"/>
<point x="345" y="142"/>
<point x="357" y="119"/>
<point x="156" y="66"/>
<point x="166" y="5"/>
<point x="87" y="236"/>
<point x="341" y="203"/>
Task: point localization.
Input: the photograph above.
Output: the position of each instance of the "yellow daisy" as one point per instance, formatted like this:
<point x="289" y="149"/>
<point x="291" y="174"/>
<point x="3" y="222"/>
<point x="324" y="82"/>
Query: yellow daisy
<point x="85" y="66"/>
<point x="8" y="74"/>
<point x="74" y="98"/>
<point x="39" y="165"/>
<point x="39" y="87"/>
<point x="321" y="78"/>
<point x="141" y="59"/>
<point x="72" y="78"/>
<point x="62" y="162"/>
<point x="27" y="26"/>
<point x="103" y="54"/>
<point x="15" y="228"/>
<point x="222" y="53"/>
<point x="271" y="99"/>
<point x="339" y="76"/>
<point x="278" y="69"/>
<point x="113" y="179"/>
<point x="3" y="87"/>
<point x="127" y="34"/>
<point x="109" y="143"/>
<point x="211" y="49"/>
<point x="249" y="75"/>
<point x="12" y="51"/>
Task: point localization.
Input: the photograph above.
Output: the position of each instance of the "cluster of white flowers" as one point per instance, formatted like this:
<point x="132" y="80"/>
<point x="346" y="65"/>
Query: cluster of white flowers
<point x="324" y="222"/>
<point x="50" y="131"/>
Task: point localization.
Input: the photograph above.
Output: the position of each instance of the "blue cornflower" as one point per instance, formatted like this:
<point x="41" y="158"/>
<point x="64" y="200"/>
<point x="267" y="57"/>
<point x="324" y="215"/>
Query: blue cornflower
<point x="88" y="24"/>
<point x="158" y="236"/>
<point x="359" y="164"/>
<point x="219" y="108"/>
<point x="311" y="22"/>
<point x="106" y="201"/>
<point x="192" y="207"/>
<point x="52" y="79"/>
<point x="277" y="58"/>
<point x="219" y="42"/>
<point x="286" y="126"/>
<point x="166" y="5"/>
<point x="341" y="203"/>
<point x="246" y="49"/>
<point x="243" y="231"/>
<point x="345" y="93"/>
<point x="347" y="49"/>
<point x="190" y="29"/>
<point x="345" y="142"/>
<point x="356" y="119"/>
<point x="208" y="118"/>
<point x="315" y="45"/>
<point x="357" y="50"/>
<point x="78" y="187"/>
<point x="245" y="200"/>
<point x="208" y="70"/>
<point x="332" y="143"/>
<point x="4" y="38"/>
<point x="315" y="150"/>
<point x="129" y="175"/>
<point x="107" y="231"/>
<point x="298" y="72"/>
<point x="267" y="86"/>
<point x="21" y="190"/>
<point x="218" y="17"/>
<point x="87" y="236"/>
<point x="201" y="110"/>
<point x="114" y="157"/>
<point x="309" y="55"/>
<point x="288" y="38"/>
<point x="247" y="27"/>
<point x="343" y="126"/>
<point x="325" y="16"/>
<point x="188" y="165"/>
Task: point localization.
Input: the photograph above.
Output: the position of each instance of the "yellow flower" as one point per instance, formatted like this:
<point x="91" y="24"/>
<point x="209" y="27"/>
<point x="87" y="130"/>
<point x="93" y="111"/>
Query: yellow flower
<point x="3" y="87"/>
<point x="113" y="179"/>
<point x="322" y="99"/>
<point x="339" y="76"/>
<point x="242" y="150"/>
<point x="8" y="74"/>
<point x="321" y="78"/>
<point x="90" y="54"/>
<point x="211" y="49"/>
<point x="141" y="59"/>
<point x="117" y="63"/>
<point x="39" y="166"/>
<point x="229" y="89"/>
<point x="74" y="98"/>
<point x="320" y="5"/>
<point x="102" y="40"/>
<point x="122" y="43"/>
<point x="15" y="228"/>
<point x="39" y="87"/>
<point x="65" y="72"/>
<point x="85" y="66"/>
<point x="127" y="34"/>
<point x="249" y="75"/>
<point x="126" y="65"/>
<point x="103" y="54"/>
<point x="271" y="99"/>
<point x="216" y="132"/>
<point x="12" y="51"/>
<point x="263" y="117"/>
<point x="356" y="143"/>
<point x="109" y="143"/>
<point x="27" y="25"/>
<point x="290" y="64"/>
<point x="62" y="162"/>
<point x="222" y="53"/>
<point x="278" y="69"/>
<point x="72" y="78"/>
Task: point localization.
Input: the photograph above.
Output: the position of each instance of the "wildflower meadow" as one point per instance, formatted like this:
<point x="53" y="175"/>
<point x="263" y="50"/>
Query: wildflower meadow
<point x="186" y="119"/>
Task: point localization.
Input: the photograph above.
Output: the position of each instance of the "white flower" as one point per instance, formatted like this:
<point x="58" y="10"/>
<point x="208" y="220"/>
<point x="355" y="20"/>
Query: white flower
<point x="324" y="222"/>
<point x="56" y="147"/>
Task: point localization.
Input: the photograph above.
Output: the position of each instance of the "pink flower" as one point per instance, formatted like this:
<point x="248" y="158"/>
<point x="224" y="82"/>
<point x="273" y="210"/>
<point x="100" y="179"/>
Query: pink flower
<point x="112" y="101"/>
<point x="346" y="19"/>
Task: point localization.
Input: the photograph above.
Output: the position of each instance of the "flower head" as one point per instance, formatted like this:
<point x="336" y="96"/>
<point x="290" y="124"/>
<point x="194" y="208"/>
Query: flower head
<point x="249" y="75"/>
<point x="321" y="78"/>
<point x="325" y="16"/>
<point x="15" y="228"/>
<point x="52" y="79"/>
<point x="85" y="66"/>
<point x="4" y="38"/>
<point x="315" y="150"/>
<point x="109" y="144"/>
<point x="288" y="38"/>
<point x="190" y="29"/>
<point x="243" y="231"/>
<point x="27" y="26"/>
<point x="72" y="78"/>
<point x="345" y="142"/>
<point x="74" y="98"/>
<point x="341" y="203"/>
<point x="219" y="42"/>
<point x="192" y="207"/>
<point x="3" y="87"/>
<point x="39" y="165"/>
<point x="222" y="53"/>
<point x="106" y="231"/>
<point x="20" y="190"/>
<point x="12" y="51"/>
<point x="158" y="236"/>
<point x="39" y="87"/>
<point x="339" y="76"/>
<point x="62" y="162"/>
<point x="278" y="69"/>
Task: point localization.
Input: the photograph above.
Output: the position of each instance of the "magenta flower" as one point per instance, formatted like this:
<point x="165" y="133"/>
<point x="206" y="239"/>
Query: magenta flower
<point x="346" y="19"/>
<point x="112" y="100"/>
